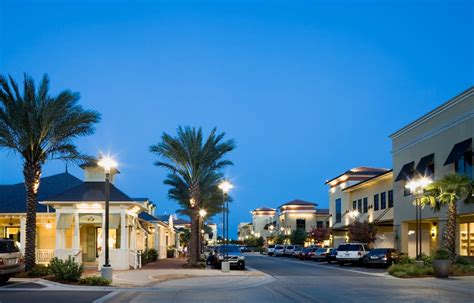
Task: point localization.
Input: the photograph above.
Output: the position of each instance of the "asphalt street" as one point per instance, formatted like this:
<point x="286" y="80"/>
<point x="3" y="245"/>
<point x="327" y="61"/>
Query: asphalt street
<point x="291" y="281"/>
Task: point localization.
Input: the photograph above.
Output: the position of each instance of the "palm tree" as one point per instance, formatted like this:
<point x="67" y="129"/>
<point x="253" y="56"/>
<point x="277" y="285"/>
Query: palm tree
<point x="194" y="169"/>
<point x="40" y="127"/>
<point x="449" y="190"/>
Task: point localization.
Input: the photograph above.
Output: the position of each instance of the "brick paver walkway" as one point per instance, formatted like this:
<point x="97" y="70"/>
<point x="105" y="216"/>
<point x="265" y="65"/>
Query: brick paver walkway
<point x="173" y="263"/>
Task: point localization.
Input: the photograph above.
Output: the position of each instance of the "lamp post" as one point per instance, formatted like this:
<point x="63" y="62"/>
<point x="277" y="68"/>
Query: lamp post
<point x="202" y="214"/>
<point x="417" y="187"/>
<point x="108" y="164"/>
<point x="226" y="186"/>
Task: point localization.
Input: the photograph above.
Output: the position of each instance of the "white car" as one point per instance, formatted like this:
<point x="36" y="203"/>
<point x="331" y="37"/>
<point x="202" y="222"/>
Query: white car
<point x="351" y="253"/>
<point x="289" y="249"/>
<point x="271" y="250"/>
<point x="279" y="250"/>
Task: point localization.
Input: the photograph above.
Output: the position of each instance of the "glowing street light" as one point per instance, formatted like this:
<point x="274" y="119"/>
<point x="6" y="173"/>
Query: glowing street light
<point x="226" y="186"/>
<point x="202" y="213"/>
<point x="107" y="164"/>
<point x="417" y="187"/>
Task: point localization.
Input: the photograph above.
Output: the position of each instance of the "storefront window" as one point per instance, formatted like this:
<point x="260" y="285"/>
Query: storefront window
<point x="467" y="239"/>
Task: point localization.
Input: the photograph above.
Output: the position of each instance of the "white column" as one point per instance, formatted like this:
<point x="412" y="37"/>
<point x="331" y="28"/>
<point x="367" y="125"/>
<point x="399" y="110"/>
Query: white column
<point x="123" y="230"/>
<point x="133" y="236"/>
<point x="76" y="242"/>
<point x="156" y="236"/>
<point x="23" y="234"/>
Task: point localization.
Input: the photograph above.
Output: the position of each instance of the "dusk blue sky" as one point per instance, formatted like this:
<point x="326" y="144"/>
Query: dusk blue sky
<point x="308" y="89"/>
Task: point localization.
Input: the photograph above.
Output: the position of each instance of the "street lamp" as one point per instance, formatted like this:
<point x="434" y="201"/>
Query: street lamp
<point x="202" y="214"/>
<point x="226" y="186"/>
<point x="107" y="164"/>
<point x="417" y="187"/>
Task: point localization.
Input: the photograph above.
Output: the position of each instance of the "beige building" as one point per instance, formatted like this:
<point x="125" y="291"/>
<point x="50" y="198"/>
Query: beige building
<point x="298" y="214"/>
<point x="70" y="220"/>
<point x="362" y="194"/>
<point x="264" y="222"/>
<point x="434" y="145"/>
<point x="244" y="231"/>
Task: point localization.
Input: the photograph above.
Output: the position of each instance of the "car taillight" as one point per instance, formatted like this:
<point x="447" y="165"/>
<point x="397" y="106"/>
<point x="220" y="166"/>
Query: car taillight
<point x="1" y="261"/>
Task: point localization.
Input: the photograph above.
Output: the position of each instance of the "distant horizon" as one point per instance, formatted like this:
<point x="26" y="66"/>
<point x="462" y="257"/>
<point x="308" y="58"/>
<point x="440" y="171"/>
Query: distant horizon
<point x="307" y="89"/>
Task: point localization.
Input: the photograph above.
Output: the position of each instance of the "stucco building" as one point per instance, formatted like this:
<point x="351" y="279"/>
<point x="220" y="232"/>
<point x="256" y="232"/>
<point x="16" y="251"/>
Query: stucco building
<point x="436" y="144"/>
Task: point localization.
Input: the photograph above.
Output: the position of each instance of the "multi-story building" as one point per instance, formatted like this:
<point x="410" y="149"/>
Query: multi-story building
<point x="434" y="145"/>
<point x="298" y="214"/>
<point x="244" y="231"/>
<point x="363" y="194"/>
<point x="264" y="222"/>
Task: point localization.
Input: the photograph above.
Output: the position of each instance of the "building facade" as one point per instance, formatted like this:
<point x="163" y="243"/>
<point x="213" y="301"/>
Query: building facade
<point x="362" y="194"/>
<point x="434" y="145"/>
<point x="70" y="220"/>
<point x="264" y="222"/>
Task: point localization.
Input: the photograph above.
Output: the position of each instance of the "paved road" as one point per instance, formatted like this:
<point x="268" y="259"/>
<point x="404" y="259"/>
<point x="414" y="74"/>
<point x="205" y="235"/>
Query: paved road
<point x="291" y="281"/>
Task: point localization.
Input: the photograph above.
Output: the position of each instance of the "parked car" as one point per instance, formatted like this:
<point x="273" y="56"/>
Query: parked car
<point x="381" y="256"/>
<point x="279" y="250"/>
<point x="229" y="253"/>
<point x="11" y="261"/>
<point x="271" y="249"/>
<point x="320" y="254"/>
<point x="289" y="250"/>
<point x="297" y="250"/>
<point x="351" y="253"/>
<point x="331" y="255"/>
<point x="306" y="253"/>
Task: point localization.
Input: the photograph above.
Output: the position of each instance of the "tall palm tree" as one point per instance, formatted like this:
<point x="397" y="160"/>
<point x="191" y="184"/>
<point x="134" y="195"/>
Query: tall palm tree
<point x="449" y="190"/>
<point x="40" y="127"/>
<point x="194" y="168"/>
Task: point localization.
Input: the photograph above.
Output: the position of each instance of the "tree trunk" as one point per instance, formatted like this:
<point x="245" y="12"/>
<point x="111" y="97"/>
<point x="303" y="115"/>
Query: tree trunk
<point x="31" y="173"/>
<point x="450" y="231"/>
<point x="194" y="237"/>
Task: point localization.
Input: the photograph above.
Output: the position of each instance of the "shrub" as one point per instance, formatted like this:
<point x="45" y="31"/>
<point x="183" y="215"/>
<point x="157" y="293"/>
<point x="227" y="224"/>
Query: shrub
<point x="405" y="260"/>
<point x="150" y="255"/>
<point x="462" y="261"/>
<point x="39" y="271"/>
<point x="95" y="281"/>
<point x="409" y="270"/>
<point x="65" y="270"/>
<point x="427" y="260"/>
<point x="442" y="254"/>
<point x="170" y="253"/>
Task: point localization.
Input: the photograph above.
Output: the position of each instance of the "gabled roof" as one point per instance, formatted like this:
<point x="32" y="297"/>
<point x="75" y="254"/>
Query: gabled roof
<point x="323" y="211"/>
<point x="13" y="197"/>
<point x="147" y="217"/>
<point x="180" y="221"/>
<point x="90" y="192"/>
<point x="368" y="180"/>
<point x="264" y="209"/>
<point x="299" y="202"/>
<point x="359" y="171"/>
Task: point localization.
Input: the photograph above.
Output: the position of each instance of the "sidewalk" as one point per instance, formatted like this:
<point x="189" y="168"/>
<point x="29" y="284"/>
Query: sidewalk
<point x="458" y="283"/>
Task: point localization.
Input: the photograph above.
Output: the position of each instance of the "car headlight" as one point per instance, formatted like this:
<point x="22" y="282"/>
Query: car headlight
<point x="221" y="257"/>
<point x="241" y="258"/>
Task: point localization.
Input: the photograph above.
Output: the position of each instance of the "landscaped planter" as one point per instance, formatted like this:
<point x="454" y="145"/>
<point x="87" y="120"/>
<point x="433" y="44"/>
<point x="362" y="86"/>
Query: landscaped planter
<point x="442" y="268"/>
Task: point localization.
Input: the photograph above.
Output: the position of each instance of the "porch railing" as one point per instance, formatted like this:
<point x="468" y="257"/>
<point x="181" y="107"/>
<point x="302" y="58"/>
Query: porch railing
<point x="43" y="256"/>
<point x="135" y="259"/>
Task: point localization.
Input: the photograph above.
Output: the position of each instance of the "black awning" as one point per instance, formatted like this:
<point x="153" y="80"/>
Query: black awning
<point x="407" y="172"/>
<point x="425" y="162"/>
<point x="458" y="151"/>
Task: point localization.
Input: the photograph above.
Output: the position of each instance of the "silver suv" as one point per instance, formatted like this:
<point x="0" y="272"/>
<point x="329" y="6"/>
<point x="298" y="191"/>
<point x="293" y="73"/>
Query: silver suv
<point x="10" y="260"/>
<point x="351" y="253"/>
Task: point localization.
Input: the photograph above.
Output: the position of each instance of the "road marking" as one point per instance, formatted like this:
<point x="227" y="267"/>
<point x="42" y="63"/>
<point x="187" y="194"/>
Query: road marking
<point x="106" y="297"/>
<point x="384" y="275"/>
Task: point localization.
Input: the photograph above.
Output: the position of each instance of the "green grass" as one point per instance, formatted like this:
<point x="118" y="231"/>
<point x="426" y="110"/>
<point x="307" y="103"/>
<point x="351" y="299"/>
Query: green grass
<point x="94" y="281"/>
<point x="410" y="270"/>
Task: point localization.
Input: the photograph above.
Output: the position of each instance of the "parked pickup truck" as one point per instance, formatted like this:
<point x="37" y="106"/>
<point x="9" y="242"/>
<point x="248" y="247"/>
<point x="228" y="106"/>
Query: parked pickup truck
<point x="351" y="253"/>
<point x="232" y="254"/>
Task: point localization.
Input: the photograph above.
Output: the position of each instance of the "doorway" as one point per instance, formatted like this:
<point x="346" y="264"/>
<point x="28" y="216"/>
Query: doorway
<point x="90" y="254"/>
